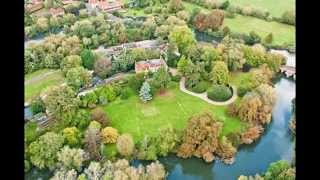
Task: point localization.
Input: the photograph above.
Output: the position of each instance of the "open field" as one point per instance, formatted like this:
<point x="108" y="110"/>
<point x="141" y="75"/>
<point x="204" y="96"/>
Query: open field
<point x="275" y="7"/>
<point x="172" y="109"/>
<point x="282" y="33"/>
<point x="39" y="81"/>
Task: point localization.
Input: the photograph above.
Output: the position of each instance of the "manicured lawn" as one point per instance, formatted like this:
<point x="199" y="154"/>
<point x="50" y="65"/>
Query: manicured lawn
<point x="172" y="109"/>
<point x="282" y="33"/>
<point x="275" y="7"/>
<point x="237" y="77"/>
<point x="40" y="81"/>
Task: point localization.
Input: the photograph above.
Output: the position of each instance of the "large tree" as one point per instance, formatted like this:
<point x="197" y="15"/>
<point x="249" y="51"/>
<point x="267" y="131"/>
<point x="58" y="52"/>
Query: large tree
<point x="220" y="73"/>
<point x="71" y="158"/>
<point x="125" y="145"/>
<point x="87" y="58"/>
<point x="92" y="142"/>
<point x="43" y="152"/>
<point x="78" y="77"/>
<point x="161" y="78"/>
<point x="183" y="37"/>
<point x="62" y="102"/>
<point x="145" y="92"/>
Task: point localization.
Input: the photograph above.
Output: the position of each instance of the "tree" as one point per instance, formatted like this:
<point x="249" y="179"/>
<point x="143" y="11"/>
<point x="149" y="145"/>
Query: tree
<point x="109" y="135"/>
<point x="103" y="67"/>
<point x="71" y="158"/>
<point x="100" y="116"/>
<point x="220" y="73"/>
<point x="87" y="58"/>
<point x="199" y="21"/>
<point x="175" y="5"/>
<point x="183" y="65"/>
<point x="278" y="169"/>
<point x="78" y="77"/>
<point x="226" y="151"/>
<point x="161" y="78"/>
<point x="63" y="174"/>
<point x="183" y="37"/>
<point x="72" y="136"/>
<point x="144" y="93"/>
<point x="155" y="171"/>
<point x="83" y="28"/>
<point x="31" y="132"/>
<point x="43" y="152"/>
<point x="69" y="62"/>
<point x="214" y="19"/>
<point x="125" y="145"/>
<point x="251" y="134"/>
<point x="92" y="142"/>
<point x="200" y="137"/>
<point x="184" y="15"/>
<point x="167" y="141"/>
<point x="42" y="24"/>
<point x="37" y="106"/>
<point x="149" y="27"/>
<point x="61" y="101"/>
<point x="94" y="171"/>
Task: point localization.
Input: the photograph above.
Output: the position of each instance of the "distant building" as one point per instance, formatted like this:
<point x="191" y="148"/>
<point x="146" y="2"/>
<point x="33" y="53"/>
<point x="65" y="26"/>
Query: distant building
<point x="106" y="5"/>
<point x="150" y="65"/>
<point x="56" y="12"/>
<point x="35" y="5"/>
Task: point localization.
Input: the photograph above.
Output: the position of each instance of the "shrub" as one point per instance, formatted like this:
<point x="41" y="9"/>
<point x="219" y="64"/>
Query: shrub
<point x="125" y="93"/>
<point x="37" y="106"/>
<point x="289" y="17"/>
<point x="233" y="110"/>
<point x="89" y="100"/>
<point x="201" y="87"/>
<point x="109" y="135"/>
<point x="176" y="78"/>
<point x="94" y="125"/>
<point x="226" y="31"/>
<point x="219" y="93"/>
<point x="125" y="145"/>
<point x="31" y="132"/>
<point x="78" y="77"/>
<point x="220" y="73"/>
<point x="107" y="92"/>
<point x="100" y="116"/>
<point x="81" y="120"/>
<point x="148" y="10"/>
<point x="72" y="136"/>
<point x="167" y="140"/>
<point x="225" y="5"/>
<point x="268" y="39"/>
<point x="253" y="38"/>
<point x="109" y="151"/>
<point x="103" y="67"/>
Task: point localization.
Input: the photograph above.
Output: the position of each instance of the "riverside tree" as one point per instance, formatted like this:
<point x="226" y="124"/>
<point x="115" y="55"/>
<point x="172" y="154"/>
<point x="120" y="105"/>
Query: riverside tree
<point x="145" y="94"/>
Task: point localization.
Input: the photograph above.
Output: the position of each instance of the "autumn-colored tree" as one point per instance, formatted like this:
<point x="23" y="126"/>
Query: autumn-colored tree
<point x="214" y="19"/>
<point x="233" y="110"/>
<point x="99" y="115"/>
<point x="199" y="21"/>
<point x="125" y="145"/>
<point x="92" y="141"/>
<point x="72" y="136"/>
<point x="249" y="108"/>
<point x="200" y="138"/>
<point x="226" y="151"/>
<point x="251" y="134"/>
<point x="109" y="135"/>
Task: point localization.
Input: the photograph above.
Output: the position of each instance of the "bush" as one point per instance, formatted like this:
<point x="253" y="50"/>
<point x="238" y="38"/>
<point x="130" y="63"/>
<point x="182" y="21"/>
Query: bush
<point x="31" y="132"/>
<point x="148" y="10"/>
<point x="109" y="151"/>
<point x="125" y="94"/>
<point x="37" y="106"/>
<point x="201" y="87"/>
<point x="219" y="93"/>
<point x="100" y="116"/>
<point x="289" y="17"/>
<point x="89" y="100"/>
<point x="176" y="78"/>
<point x="87" y="58"/>
<point x="94" y="125"/>
<point x="136" y="81"/>
<point x="268" y="39"/>
<point x="225" y="5"/>
<point x="109" y="135"/>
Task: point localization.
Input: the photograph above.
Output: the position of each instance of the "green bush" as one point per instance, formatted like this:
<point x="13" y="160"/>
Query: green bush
<point x="201" y="87"/>
<point x="87" y="58"/>
<point x="109" y="151"/>
<point x="89" y="100"/>
<point x="148" y="10"/>
<point x="219" y="93"/>
<point x="176" y="78"/>
<point x="31" y="132"/>
<point x="135" y="82"/>
<point x="37" y="106"/>
<point x="125" y="93"/>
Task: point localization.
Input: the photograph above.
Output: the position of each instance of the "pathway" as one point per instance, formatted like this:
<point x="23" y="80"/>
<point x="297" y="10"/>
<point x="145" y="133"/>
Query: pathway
<point x="40" y="77"/>
<point x="204" y="97"/>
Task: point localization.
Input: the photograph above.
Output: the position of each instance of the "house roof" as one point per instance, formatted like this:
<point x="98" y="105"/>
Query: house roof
<point x="56" y="11"/>
<point x="145" y="65"/>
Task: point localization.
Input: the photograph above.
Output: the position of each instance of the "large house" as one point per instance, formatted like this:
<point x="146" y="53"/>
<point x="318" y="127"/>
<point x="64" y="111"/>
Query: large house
<point x="106" y="5"/>
<point x="150" y="65"/>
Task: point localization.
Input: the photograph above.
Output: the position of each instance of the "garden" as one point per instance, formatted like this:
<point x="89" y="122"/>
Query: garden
<point x="151" y="111"/>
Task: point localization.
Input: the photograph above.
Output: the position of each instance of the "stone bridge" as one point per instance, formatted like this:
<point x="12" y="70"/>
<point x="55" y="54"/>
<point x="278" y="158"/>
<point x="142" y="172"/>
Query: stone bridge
<point x="288" y="71"/>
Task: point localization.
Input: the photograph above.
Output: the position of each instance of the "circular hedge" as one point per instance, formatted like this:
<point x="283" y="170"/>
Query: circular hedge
<point x="219" y="93"/>
<point x="200" y="87"/>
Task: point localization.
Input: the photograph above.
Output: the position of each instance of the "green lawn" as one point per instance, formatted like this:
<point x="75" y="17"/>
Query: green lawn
<point x="38" y="81"/>
<point x="282" y="33"/>
<point x="275" y="7"/>
<point x="173" y="109"/>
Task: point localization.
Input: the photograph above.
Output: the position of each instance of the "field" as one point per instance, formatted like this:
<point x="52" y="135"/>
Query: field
<point x="275" y="7"/>
<point x="39" y="81"/>
<point x="172" y="109"/>
<point x="282" y="33"/>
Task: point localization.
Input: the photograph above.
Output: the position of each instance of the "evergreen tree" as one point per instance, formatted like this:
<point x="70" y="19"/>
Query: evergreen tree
<point x="145" y="94"/>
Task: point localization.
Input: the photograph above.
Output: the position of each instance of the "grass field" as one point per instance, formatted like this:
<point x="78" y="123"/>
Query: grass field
<point x="282" y="33"/>
<point x="39" y="81"/>
<point x="275" y="7"/>
<point x="172" y="109"/>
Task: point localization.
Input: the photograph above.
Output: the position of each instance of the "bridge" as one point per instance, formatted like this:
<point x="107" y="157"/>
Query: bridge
<point x="288" y="71"/>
